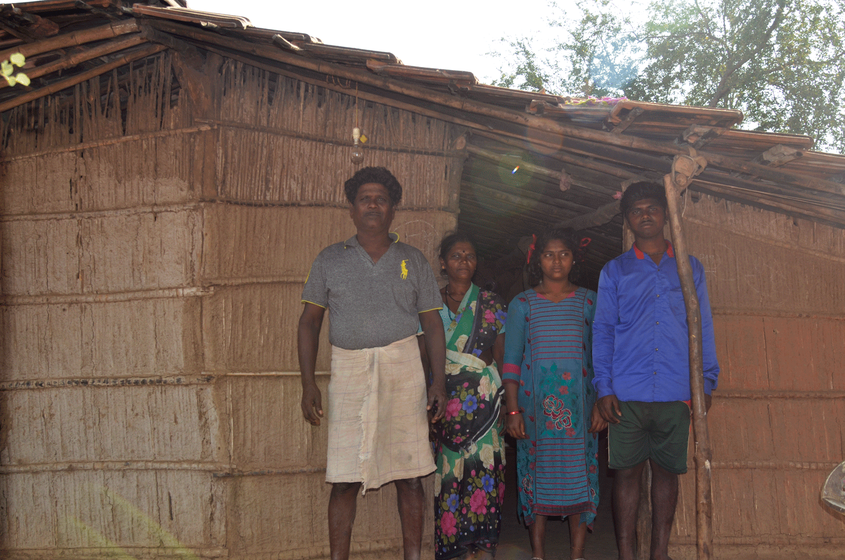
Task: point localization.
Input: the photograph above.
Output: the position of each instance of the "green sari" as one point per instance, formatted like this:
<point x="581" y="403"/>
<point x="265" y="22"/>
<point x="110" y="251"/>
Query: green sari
<point x="469" y="480"/>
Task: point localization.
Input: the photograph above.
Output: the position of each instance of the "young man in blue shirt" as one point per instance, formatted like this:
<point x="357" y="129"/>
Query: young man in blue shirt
<point x="641" y="362"/>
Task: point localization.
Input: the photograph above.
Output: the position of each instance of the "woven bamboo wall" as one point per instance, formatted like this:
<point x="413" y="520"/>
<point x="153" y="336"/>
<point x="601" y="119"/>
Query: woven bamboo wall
<point x="777" y="419"/>
<point x="152" y="265"/>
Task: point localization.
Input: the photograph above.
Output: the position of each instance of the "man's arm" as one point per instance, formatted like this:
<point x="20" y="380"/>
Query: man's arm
<point x="710" y="362"/>
<point x="435" y="344"/>
<point x="308" y="341"/>
<point x="604" y="341"/>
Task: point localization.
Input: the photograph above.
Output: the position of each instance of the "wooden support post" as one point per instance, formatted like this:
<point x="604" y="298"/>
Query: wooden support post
<point x="683" y="169"/>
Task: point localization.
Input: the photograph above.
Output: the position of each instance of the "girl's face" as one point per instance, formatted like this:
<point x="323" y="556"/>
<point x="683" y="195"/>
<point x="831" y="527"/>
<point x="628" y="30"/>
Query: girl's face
<point x="460" y="261"/>
<point x="556" y="261"/>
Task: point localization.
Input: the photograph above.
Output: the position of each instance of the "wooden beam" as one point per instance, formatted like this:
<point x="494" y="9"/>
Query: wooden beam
<point x="778" y="155"/>
<point x="73" y="39"/>
<point x="698" y="135"/>
<point x="71" y="60"/>
<point x="629" y="119"/>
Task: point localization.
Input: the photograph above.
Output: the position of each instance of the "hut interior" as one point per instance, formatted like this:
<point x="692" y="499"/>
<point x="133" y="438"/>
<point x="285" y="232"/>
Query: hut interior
<point x="168" y="176"/>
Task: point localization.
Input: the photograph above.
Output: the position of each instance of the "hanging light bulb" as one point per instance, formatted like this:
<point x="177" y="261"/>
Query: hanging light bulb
<point x="357" y="155"/>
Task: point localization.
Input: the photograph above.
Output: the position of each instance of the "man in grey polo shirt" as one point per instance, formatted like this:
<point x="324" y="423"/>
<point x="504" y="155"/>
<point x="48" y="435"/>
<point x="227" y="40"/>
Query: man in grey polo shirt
<point x="378" y="292"/>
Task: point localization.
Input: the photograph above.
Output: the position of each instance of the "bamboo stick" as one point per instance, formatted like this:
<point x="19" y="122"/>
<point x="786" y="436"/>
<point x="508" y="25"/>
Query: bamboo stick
<point x="73" y="39"/>
<point x="814" y="213"/>
<point x="80" y="57"/>
<point x="674" y="183"/>
<point x="773" y="192"/>
<point x="79" y="78"/>
<point x="107" y="142"/>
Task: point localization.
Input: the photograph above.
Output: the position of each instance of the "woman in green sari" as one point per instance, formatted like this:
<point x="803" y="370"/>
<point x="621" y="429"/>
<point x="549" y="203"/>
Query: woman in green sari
<point x="470" y="476"/>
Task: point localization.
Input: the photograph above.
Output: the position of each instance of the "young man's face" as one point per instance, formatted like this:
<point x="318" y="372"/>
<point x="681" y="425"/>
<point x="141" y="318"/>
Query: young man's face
<point x="646" y="218"/>
<point x="372" y="210"/>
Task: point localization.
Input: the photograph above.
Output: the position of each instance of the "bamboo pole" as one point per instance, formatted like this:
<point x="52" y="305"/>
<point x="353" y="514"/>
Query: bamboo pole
<point x="73" y="39"/>
<point x="79" y="78"/>
<point x="674" y="183"/>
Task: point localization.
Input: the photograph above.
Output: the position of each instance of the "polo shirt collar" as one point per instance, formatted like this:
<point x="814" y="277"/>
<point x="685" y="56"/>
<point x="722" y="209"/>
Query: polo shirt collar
<point x="353" y="241"/>
<point x="669" y="250"/>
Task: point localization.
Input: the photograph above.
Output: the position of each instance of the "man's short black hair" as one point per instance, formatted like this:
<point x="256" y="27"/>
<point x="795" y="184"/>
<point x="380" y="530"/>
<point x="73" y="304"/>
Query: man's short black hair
<point x="640" y="191"/>
<point x="378" y="175"/>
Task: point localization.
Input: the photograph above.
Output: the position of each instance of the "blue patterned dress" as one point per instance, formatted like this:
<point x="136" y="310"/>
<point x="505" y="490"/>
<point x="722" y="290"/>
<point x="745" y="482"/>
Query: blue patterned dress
<point x="548" y="353"/>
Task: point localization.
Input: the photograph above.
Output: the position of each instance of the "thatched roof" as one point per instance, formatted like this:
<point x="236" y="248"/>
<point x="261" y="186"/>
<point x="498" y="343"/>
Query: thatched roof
<point x="573" y="155"/>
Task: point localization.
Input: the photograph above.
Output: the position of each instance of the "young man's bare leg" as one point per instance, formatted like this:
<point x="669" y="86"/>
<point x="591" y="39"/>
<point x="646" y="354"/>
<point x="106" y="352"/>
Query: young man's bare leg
<point x="664" y="499"/>
<point x="577" y="537"/>
<point x="343" y="503"/>
<point x="410" y="498"/>
<point x="626" y="498"/>
<point x="537" y="534"/>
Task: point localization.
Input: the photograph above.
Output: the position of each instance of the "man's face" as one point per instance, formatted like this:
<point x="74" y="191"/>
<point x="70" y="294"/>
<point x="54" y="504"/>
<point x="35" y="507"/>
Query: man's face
<point x="372" y="209"/>
<point x="646" y="218"/>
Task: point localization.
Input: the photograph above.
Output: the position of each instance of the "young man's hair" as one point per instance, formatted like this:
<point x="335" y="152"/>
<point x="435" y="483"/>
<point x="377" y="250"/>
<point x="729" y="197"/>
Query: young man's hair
<point x="378" y="175"/>
<point x="640" y="191"/>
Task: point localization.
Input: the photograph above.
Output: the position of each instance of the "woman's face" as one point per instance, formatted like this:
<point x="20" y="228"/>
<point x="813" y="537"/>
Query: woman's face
<point x="460" y="261"/>
<point x="556" y="260"/>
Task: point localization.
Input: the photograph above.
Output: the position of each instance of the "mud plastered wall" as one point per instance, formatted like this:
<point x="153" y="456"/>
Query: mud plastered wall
<point x="153" y="257"/>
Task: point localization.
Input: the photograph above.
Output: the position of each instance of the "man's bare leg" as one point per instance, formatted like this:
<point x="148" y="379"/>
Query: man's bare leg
<point x="342" y="506"/>
<point x="537" y="534"/>
<point x="664" y="499"/>
<point x="626" y="498"/>
<point x="410" y="498"/>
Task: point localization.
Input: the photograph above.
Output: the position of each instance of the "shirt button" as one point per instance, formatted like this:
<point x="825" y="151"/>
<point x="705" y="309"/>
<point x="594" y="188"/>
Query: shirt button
<point x="658" y="295"/>
<point x="655" y="349"/>
<point x="655" y="373"/>
<point x="657" y="323"/>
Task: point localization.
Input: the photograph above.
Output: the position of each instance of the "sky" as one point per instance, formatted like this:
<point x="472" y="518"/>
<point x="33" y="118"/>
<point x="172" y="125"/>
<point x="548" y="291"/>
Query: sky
<point x="450" y="35"/>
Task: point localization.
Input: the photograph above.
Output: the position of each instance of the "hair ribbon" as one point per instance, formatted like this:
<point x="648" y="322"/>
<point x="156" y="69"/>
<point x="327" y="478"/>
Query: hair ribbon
<point x="531" y="248"/>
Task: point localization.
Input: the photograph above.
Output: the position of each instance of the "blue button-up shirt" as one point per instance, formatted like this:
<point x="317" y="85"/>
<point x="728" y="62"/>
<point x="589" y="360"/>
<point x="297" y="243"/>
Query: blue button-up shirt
<point x="640" y="333"/>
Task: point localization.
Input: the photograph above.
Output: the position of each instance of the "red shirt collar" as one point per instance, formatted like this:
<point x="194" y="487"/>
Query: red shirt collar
<point x="669" y="250"/>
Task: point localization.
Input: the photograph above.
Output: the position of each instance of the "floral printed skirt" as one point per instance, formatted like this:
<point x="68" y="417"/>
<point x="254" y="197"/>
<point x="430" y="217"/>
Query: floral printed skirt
<point x="470" y="487"/>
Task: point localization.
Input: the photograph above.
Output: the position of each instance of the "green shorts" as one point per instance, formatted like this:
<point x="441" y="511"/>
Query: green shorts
<point x="650" y="430"/>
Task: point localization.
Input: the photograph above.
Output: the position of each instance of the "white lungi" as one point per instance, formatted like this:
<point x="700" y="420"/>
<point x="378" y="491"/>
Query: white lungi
<point x="378" y="428"/>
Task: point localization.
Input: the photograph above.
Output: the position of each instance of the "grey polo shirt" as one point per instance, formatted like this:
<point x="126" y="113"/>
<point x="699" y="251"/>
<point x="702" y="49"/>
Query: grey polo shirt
<point x="371" y="304"/>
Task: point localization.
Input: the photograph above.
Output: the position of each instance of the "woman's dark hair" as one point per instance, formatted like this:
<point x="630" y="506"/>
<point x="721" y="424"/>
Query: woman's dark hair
<point x="451" y="239"/>
<point x="378" y="175"/>
<point x="569" y="238"/>
<point x="640" y="191"/>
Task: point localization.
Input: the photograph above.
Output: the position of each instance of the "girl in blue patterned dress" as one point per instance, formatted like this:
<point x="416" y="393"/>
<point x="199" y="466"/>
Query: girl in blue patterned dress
<point x="549" y="394"/>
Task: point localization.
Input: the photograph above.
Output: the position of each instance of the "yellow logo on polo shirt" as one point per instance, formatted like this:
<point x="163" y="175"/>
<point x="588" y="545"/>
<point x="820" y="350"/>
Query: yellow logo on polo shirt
<point x="404" y="270"/>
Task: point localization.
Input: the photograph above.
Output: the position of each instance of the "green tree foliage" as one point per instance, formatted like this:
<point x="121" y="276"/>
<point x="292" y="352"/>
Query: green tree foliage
<point x="591" y="58"/>
<point x="778" y="61"/>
